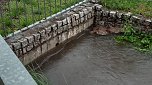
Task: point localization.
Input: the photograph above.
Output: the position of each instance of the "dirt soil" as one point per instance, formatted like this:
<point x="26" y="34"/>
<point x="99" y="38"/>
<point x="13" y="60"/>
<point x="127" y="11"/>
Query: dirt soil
<point x="102" y="30"/>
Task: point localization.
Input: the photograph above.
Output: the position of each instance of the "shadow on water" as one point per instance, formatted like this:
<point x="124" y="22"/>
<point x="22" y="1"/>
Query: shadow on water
<point x="97" y="60"/>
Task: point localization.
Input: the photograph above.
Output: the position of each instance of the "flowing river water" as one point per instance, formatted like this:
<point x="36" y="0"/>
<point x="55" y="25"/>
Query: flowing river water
<point x="98" y="60"/>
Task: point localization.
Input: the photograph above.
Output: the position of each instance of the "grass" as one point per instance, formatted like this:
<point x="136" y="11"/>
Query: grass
<point x="143" y="7"/>
<point x="141" y="41"/>
<point x="39" y="78"/>
<point x="21" y="13"/>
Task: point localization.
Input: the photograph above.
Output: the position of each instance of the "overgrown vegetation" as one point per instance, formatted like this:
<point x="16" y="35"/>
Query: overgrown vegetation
<point x="21" y="13"/>
<point x="141" y="41"/>
<point x="38" y="77"/>
<point x="143" y="7"/>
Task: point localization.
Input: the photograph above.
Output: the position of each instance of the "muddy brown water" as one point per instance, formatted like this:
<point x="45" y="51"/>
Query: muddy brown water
<point x="97" y="60"/>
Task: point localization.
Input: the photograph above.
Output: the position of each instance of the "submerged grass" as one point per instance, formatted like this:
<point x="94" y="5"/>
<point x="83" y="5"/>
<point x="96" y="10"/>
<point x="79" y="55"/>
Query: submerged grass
<point x="39" y="78"/>
<point x="143" y="7"/>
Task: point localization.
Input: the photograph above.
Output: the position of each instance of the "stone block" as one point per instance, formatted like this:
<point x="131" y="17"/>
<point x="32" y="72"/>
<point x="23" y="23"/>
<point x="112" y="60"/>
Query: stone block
<point x="89" y="15"/>
<point x="65" y="28"/>
<point x="44" y="48"/>
<point x="105" y="13"/>
<point x="36" y="37"/>
<point x="119" y="15"/>
<point x="81" y="14"/>
<point x="24" y="50"/>
<point x="74" y="31"/>
<point x="29" y="47"/>
<point x="55" y="32"/>
<point x="43" y="36"/>
<point x="54" y="27"/>
<point x="65" y="21"/>
<point x="59" y="23"/>
<point x="77" y="30"/>
<point x="16" y="45"/>
<point x="60" y="38"/>
<point x="77" y="16"/>
<point x="24" y="42"/>
<point x="60" y="29"/>
<point x="30" y="39"/>
<point x="113" y="14"/>
<point x="19" y="52"/>
<point x="82" y="19"/>
<point x="98" y="7"/>
<point x="48" y="29"/>
<point x="73" y="18"/>
<point x="99" y="13"/>
<point x="81" y="27"/>
<point x="64" y="36"/>
<point x="69" y="20"/>
<point x="85" y="17"/>
<point x="85" y="25"/>
<point x="127" y="15"/>
<point x="69" y="26"/>
<point x="52" y="43"/>
<point x="70" y="33"/>
<point x="50" y="35"/>
<point x="85" y="11"/>
<point x="147" y="22"/>
<point x="89" y="9"/>
<point x="91" y="21"/>
<point x="135" y="20"/>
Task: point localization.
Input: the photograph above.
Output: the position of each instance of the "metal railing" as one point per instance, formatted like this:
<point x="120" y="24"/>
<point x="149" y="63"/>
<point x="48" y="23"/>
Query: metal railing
<point x="17" y="14"/>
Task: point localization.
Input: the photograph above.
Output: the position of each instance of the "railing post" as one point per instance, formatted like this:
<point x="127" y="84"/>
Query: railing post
<point x="12" y="71"/>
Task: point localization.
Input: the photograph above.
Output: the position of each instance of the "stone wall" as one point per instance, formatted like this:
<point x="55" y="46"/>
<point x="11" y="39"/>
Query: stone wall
<point x="106" y="17"/>
<point x="33" y="42"/>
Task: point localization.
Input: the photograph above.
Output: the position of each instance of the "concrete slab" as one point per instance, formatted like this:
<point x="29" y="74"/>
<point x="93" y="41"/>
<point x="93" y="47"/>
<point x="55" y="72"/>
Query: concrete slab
<point x="12" y="71"/>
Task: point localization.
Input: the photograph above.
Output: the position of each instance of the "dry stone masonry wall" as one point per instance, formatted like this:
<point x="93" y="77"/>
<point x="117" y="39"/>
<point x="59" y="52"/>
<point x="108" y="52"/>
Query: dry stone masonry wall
<point x="105" y="17"/>
<point x="37" y="40"/>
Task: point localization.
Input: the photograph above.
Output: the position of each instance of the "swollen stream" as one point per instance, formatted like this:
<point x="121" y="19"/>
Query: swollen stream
<point x="97" y="60"/>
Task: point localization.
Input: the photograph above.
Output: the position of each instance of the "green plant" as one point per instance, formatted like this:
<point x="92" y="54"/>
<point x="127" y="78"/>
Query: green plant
<point x="140" y="40"/>
<point x="38" y="77"/>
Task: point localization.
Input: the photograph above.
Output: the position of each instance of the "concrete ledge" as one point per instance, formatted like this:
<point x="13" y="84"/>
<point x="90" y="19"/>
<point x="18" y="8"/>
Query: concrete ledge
<point x="12" y="71"/>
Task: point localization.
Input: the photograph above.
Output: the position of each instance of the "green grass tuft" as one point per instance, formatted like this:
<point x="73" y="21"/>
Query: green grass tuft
<point x="141" y="41"/>
<point x="39" y="78"/>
